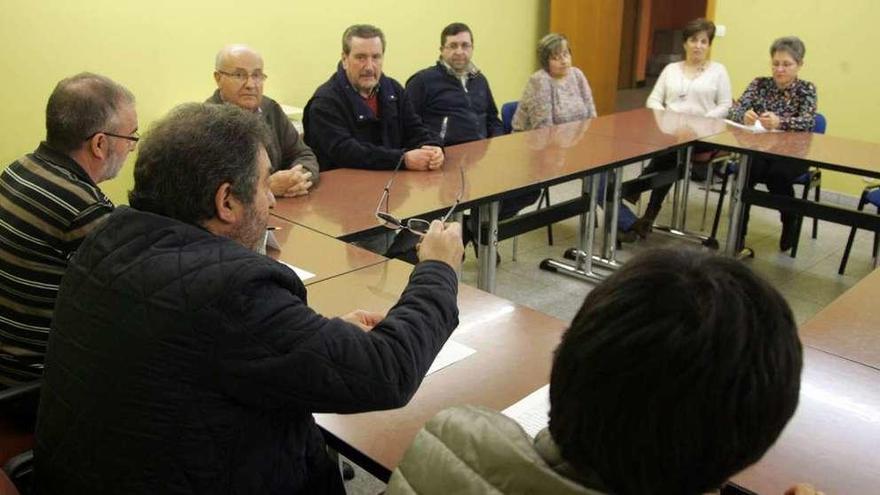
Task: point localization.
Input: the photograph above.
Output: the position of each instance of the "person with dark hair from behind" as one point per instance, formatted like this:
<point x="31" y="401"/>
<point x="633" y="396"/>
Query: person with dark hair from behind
<point x="49" y="201"/>
<point x="182" y="361"/>
<point x="678" y="371"/>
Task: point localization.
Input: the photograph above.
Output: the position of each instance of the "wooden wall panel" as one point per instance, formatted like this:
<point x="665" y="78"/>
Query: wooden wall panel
<point x="593" y="28"/>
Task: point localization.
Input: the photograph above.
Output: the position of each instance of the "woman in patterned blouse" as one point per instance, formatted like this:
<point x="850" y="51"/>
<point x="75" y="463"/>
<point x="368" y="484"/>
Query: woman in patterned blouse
<point x="559" y="93"/>
<point x="782" y="102"/>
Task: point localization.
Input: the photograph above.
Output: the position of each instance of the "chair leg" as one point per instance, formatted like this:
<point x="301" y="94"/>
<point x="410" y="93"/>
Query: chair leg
<point x="545" y="194"/>
<point x="876" y="239"/>
<point x="818" y="194"/>
<point x="800" y="222"/>
<point x="852" y="237"/>
<point x="515" y="238"/>
<point x="721" y="194"/>
<point x="845" y="258"/>
<point x="710" y="175"/>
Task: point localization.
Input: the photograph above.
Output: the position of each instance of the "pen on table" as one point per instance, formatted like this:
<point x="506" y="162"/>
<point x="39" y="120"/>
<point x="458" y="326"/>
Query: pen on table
<point x="273" y="228"/>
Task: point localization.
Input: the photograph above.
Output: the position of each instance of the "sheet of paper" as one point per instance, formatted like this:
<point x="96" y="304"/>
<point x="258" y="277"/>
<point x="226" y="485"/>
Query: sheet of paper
<point x="757" y="128"/>
<point x="751" y="128"/>
<point x="451" y="352"/>
<point x="532" y="412"/>
<point x="302" y="274"/>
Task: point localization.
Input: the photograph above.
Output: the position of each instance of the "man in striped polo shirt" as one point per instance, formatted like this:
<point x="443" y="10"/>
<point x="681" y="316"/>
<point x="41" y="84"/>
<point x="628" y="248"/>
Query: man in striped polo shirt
<point x="49" y="201"/>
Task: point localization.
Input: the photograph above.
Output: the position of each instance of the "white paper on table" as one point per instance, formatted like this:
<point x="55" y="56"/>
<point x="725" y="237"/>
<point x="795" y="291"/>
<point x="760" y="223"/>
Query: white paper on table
<point x="451" y="352"/>
<point x="532" y="412"/>
<point x="757" y="128"/>
<point x="302" y="274"/>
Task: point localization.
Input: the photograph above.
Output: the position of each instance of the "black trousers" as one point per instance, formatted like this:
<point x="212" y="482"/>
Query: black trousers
<point x="663" y="163"/>
<point x="779" y="175"/>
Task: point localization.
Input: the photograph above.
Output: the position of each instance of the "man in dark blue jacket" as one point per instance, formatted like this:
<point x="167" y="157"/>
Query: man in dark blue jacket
<point x="181" y="361"/>
<point x="456" y="91"/>
<point x="453" y="99"/>
<point x="361" y="118"/>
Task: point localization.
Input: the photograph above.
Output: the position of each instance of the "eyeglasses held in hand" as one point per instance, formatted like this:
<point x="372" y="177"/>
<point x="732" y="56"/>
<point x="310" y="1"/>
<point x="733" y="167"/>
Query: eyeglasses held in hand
<point x="417" y="226"/>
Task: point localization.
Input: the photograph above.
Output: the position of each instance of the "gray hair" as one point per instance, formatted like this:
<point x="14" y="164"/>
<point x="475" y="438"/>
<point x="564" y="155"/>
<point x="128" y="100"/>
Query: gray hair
<point x="551" y="45"/>
<point x="190" y="153"/>
<point x="791" y="45"/>
<point x="361" y="31"/>
<point x="81" y="106"/>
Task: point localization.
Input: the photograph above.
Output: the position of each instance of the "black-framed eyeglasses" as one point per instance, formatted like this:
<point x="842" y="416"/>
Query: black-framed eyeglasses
<point x="242" y="77"/>
<point x="134" y="137"/>
<point x="417" y="226"/>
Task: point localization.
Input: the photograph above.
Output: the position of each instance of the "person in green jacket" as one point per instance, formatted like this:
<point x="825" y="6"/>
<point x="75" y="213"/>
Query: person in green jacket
<point x="678" y="371"/>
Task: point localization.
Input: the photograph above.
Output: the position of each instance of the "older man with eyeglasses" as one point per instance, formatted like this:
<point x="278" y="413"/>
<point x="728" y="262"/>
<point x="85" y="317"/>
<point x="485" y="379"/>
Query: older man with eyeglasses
<point x="49" y="201"/>
<point x="238" y="72"/>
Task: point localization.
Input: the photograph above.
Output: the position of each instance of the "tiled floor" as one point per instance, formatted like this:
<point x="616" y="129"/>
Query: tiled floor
<point x="808" y="282"/>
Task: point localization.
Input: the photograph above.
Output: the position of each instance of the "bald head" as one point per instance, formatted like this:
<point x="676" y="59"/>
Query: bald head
<point x="238" y="71"/>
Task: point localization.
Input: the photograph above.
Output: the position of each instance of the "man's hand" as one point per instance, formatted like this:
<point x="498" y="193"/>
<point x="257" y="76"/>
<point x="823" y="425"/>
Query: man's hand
<point x="365" y="320"/>
<point x="442" y="243"/>
<point x="750" y="117"/>
<point x="419" y="159"/>
<point x="436" y="158"/>
<point x="291" y="183"/>
<point x="769" y="120"/>
<point x="803" y="489"/>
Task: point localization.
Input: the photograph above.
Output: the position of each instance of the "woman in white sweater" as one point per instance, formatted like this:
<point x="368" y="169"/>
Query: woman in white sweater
<point x="695" y="86"/>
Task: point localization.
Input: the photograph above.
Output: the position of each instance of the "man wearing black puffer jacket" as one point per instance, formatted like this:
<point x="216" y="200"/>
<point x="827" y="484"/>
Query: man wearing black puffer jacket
<point x="181" y="361"/>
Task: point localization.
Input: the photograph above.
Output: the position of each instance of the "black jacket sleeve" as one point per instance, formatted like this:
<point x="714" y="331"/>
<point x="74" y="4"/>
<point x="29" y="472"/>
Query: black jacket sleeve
<point x="415" y="133"/>
<point x="494" y="126"/>
<point x="329" y="132"/>
<point x="415" y="91"/>
<point x="278" y="353"/>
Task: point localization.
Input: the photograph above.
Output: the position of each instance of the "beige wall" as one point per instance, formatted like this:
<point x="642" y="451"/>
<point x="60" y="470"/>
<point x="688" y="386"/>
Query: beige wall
<point x="841" y="59"/>
<point x="164" y="50"/>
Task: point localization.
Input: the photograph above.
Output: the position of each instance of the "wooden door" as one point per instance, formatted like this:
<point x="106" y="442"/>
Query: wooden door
<point x="593" y="28"/>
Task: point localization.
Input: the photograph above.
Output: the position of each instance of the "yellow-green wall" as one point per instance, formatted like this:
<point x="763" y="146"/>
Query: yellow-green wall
<point x="163" y="51"/>
<point x="841" y="59"/>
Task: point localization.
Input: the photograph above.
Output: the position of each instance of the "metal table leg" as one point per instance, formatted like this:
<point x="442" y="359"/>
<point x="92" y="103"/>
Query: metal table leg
<point x="584" y="259"/>
<point x="677" y="227"/>
<point x="488" y="249"/>
<point x="736" y="207"/>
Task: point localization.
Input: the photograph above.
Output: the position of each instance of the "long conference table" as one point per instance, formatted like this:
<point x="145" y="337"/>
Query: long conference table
<point x="833" y="437"/>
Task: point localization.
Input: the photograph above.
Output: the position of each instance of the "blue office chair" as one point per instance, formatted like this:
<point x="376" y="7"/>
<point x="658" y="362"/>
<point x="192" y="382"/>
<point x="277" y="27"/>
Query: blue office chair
<point x="871" y="195"/>
<point x="507" y="111"/>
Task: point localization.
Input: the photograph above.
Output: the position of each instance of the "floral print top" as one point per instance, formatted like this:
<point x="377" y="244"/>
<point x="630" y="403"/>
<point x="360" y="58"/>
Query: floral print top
<point x="795" y="105"/>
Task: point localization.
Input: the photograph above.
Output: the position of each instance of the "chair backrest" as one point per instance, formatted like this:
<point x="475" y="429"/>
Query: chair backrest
<point x="819" y="123"/>
<point x="507" y="111"/>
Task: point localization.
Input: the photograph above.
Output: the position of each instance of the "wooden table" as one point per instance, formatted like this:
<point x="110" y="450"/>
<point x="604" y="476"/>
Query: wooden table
<point x="834" y="153"/>
<point x="849" y="327"/>
<point x="656" y="127"/>
<point x="831" y="152"/>
<point x="833" y="439"/>
<point x="344" y="202"/>
<point x="514" y="347"/>
<point x="317" y="253"/>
